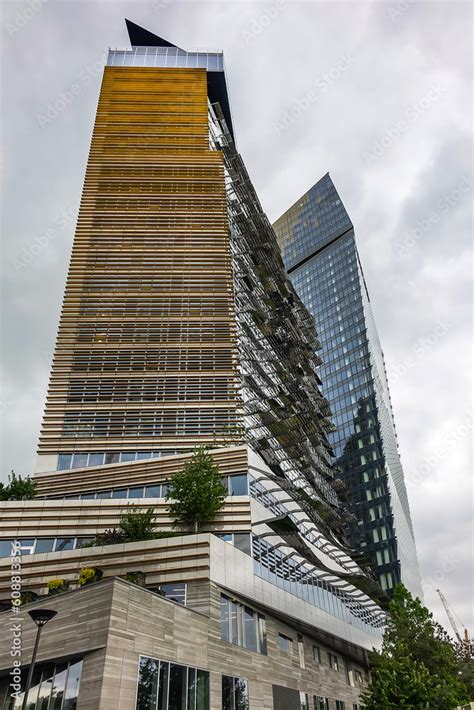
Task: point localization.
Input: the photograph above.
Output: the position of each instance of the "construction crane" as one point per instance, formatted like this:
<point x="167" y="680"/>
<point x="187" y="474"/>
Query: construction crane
<point x="451" y="619"/>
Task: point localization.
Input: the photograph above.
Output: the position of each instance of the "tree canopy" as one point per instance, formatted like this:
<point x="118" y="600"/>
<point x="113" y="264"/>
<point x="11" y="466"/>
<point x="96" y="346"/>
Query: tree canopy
<point x="17" y="488"/>
<point x="417" y="668"/>
<point x="196" y="493"/>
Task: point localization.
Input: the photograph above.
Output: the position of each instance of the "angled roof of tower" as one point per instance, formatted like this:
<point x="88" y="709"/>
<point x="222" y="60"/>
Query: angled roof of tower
<point x="216" y="83"/>
<point x="139" y="37"/>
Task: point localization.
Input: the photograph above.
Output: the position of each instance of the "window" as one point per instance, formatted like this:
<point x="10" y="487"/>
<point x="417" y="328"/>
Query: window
<point x="176" y="592"/>
<point x="242" y="626"/>
<point x="358" y="677"/>
<point x="64" y="543"/>
<point x="239" y="540"/>
<point x="321" y="703"/>
<point x="333" y="662"/>
<point x="96" y="459"/>
<point x="316" y="654"/>
<point x="112" y="458"/>
<point x="340" y="705"/>
<point x="53" y="686"/>
<point x="44" y="545"/>
<point x="171" y="686"/>
<point x="285" y="643"/>
<point x="301" y="651"/>
<point x="64" y="462"/>
<point x="235" y="693"/>
<point x="238" y="485"/>
<point x="304" y="701"/>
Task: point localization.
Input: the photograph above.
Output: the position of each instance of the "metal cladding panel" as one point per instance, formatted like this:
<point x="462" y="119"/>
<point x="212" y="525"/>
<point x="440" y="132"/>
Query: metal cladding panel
<point x="146" y="349"/>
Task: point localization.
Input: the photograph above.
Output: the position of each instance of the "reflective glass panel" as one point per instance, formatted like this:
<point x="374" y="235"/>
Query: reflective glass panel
<point x="44" y="545"/>
<point x="177" y="690"/>
<point x="112" y="458"/>
<point x="164" y="682"/>
<point x="64" y="543"/>
<point x="72" y="687"/>
<point x="242" y="542"/>
<point x="96" y="459"/>
<point x="64" y="461"/>
<point x="202" y="694"/>
<point x="238" y="485"/>
<point x="241" y="693"/>
<point x="59" y="685"/>
<point x="79" y="460"/>
<point x="5" y="548"/>
<point x="147" y="684"/>
<point x="153" y="492"/>
<point x="250" y="629"/>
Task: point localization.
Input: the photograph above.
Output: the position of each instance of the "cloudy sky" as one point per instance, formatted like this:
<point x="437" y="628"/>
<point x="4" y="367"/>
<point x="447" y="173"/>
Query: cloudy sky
<point x="376" y="93"/>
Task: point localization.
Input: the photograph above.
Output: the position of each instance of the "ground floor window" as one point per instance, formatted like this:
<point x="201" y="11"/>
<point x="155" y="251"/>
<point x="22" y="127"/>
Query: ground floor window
<point x="53" y="686"/>
<point x="235" y="693"/>
<point x="171" y="686"/>
<point x="321" y="703"/>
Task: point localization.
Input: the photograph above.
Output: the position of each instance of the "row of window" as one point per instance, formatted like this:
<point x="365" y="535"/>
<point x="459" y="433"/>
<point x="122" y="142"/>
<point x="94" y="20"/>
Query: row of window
<point x="171" y="57"/>
<point x="285" y="644"/>
<point x="166" y="306"/>
<point x="164" y="389"/>
<point x="84" y="459"/>
<point x="148" y="423"/>
<point x="172" y="686"/>
<point x="53" y="687"/>
<point x="236" y="485"/>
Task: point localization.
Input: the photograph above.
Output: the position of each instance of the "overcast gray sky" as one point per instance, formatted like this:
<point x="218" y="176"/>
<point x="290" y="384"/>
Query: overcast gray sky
<point x="376" y="93"/>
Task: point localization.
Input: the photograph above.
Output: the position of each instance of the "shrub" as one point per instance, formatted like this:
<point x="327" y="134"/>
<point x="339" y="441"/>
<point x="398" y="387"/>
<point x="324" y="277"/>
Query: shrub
<point x="56" y="586"/>
<point x="88" y="575"/>
<point x="135" y="578"/>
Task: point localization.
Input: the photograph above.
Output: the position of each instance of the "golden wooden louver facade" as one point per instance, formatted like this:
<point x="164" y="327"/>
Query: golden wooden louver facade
<point x="146" y="355"/>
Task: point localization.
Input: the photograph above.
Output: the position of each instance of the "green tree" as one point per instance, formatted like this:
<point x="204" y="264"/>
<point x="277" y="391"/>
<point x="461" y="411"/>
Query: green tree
<point x="136" y="525"/>
<point x="17" y="488"/>
<point x="417" y="666"/>
<point x="196" y="493"/>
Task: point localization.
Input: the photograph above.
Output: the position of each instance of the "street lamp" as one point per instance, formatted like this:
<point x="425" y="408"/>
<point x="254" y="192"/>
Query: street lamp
<point x="40" y="617"/>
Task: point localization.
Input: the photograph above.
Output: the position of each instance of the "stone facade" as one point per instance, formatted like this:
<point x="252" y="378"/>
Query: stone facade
<point x="111" y="623"/>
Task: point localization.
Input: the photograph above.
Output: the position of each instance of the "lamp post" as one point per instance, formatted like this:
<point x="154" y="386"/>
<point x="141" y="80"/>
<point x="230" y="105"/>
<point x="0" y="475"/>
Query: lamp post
<point x="40" y="617"/>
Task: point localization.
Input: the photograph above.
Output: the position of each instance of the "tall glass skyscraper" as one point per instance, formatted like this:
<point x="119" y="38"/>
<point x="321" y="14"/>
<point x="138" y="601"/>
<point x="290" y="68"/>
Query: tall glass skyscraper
<point x="318" y="245"/>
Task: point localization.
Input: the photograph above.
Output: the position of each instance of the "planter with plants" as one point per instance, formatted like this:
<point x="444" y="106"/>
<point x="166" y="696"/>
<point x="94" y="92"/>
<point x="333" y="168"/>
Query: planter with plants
<point x="137" y="578"/>
<point x="88" y="575"/>
<point x="57" y="586"/>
